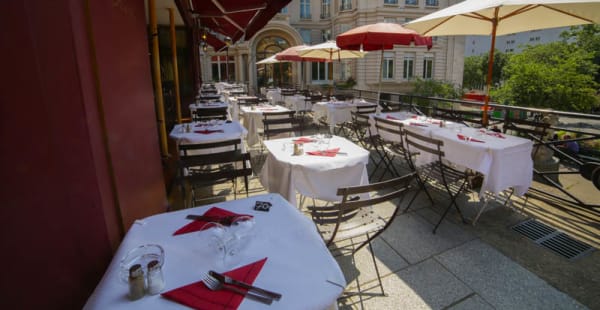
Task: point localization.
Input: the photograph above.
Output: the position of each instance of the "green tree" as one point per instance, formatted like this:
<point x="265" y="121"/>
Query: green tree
<point x="476" y="68"/>
<point x="473" y="77"/>
<point x="557" y="75"/>
<point x="586" y="37"/>
<point x="435" y="88"/>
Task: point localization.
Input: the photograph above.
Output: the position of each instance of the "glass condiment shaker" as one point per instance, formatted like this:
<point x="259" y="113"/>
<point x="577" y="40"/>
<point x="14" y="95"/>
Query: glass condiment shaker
<point x="136" y="282"/>
<point x="156" y="282"/>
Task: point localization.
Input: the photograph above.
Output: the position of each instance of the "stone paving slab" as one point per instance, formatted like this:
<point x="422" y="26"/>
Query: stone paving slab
<point x="426" y="285"/>
<point x="500" y="281"/>
<point x="411" y="236"/>
<point x="474" y="302"/>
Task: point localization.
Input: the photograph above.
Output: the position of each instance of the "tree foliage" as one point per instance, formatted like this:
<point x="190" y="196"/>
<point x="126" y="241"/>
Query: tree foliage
<point x="586" y="37"/>
<point x="435" y="88"/>
<point x="556" y="75"/>
<point x="476" y="69"/>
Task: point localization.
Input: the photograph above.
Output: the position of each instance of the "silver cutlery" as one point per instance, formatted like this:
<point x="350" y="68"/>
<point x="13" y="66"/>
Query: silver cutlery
<point x="215" y="285"/>
<point x="229" y="280"/>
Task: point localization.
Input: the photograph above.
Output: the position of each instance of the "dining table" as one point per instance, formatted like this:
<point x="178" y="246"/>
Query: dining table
<point x="504" y="160"/>
<point x="283" y="252"/>
<point x="208" y="132"/>
<point x="252" y="116"/>
<point x="337" y="112"/>
<point x="328" y="162"/>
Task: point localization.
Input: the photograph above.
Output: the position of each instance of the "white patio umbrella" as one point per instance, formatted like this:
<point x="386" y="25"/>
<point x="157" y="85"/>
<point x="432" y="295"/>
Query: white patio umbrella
<point x="499" y="17"/>
<point x="272" y="60"/>
<point x="329" y="50"/>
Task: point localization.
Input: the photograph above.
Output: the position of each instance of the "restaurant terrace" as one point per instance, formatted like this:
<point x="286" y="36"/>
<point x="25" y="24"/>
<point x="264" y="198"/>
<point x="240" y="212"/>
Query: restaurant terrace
<point x="251" y="154"/>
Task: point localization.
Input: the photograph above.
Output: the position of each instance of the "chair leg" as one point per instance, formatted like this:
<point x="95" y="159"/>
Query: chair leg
<point x="376" y="268"/>
<point x="452" y="203"/>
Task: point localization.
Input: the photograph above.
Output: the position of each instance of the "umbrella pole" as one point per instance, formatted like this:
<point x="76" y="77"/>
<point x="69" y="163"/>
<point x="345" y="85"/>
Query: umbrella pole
<point x="380" y="73"/>
<point x="490" y="68"/>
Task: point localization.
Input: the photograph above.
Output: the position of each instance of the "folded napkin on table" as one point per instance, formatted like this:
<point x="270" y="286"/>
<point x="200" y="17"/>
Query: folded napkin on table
<point x="417" y="124"/>
<point x="198" y="296"/>
<point x="329" y="152"/>
<point x="208" y="131"/>
<point x="303" y="140"/>
<point x="468" y="138"/>
<point x="414" y="116"/>
<point x="196" y="225"/>
<point x="494" y="134"/>
<point x="393" y="118"/>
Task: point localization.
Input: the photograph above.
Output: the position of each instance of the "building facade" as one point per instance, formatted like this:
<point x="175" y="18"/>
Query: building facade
<point x="314" y="21"/>
<point x="511" y="43"/>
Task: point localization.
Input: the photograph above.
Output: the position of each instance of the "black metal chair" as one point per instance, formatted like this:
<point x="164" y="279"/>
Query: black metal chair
<point x="209" y="164"/>
<point x="453" y="180"/>
<point x="206" y="114"/>
<point x="357" y="219"/>
<point x="468" y="118"/>
<point x="277" y="123"/>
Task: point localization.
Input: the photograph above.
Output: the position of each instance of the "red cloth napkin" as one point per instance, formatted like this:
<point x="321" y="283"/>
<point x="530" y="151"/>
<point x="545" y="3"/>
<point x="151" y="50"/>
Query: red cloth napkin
<point x="303" y="140"/>
<point x="208" y="131"/>
<point x="196" y="225"/>
<point x="472" y="139"/>
<point x="329" y="153"/>
<point x="198" y="296"/>
<point x="418" y="124"/>
<point x="392" y="118"/>
<point x="494" y="134"/>
<point x="414" y="116"/>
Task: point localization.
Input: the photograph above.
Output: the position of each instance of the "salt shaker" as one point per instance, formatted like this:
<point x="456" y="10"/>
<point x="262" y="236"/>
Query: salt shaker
<point x="136" y="282"/>
<point x="156" y="282"/>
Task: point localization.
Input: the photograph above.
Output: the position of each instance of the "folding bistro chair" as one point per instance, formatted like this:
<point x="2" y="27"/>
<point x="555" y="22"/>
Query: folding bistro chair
<point x="206" y="114"/>
<point x="209" y="164"/>
<point x="437" y="169"/>
<point x="357" y="220"/>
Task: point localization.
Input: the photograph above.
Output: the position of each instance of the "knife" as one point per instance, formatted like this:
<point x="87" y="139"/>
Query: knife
<point x="223" y="220"/>
<point x="229" y="280"/>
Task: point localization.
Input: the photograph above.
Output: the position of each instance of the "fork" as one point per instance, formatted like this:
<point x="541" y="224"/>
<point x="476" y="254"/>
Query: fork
<point x="215" y="285"/>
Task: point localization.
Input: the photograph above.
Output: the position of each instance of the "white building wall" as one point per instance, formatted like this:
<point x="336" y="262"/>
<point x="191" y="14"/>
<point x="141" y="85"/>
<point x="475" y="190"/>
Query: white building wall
<point x="511" y="43"/>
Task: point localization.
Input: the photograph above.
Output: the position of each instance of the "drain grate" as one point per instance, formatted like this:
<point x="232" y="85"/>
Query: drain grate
<point x="553" y="239"/>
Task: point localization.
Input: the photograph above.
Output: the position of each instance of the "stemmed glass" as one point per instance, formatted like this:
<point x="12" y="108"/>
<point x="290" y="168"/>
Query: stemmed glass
<point x="227" y="242"/>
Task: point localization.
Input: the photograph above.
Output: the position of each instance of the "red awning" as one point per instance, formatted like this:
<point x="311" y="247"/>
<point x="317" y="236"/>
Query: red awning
<point x="234" y="18"/>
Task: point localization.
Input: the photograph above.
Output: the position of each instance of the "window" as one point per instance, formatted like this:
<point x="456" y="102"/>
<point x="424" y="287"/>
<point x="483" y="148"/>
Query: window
<point x="428" y="66"/>
<point x="409" y="66"/>
<point x="345" y="5"/>
<point x="390" y="1"/>
<point x="321" y="71"/>
<point x="431" y="3"/>
<point x="306" y="35"/>
<point x="305" y="9"/>
<point x="284" y="10"/>
<point x="345" y="71"/>
<point x="345" y="27"/>
<point x="325" y="5"/>
<point x="387" y="72"/>
<point x="407" y="19"/>
<point x="411" y="2"/>
<point x="326" y="34"/>
<point x="389" y="20"/>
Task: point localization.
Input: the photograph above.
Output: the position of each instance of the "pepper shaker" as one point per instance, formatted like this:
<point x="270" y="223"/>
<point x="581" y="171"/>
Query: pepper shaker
<point x="136" y="282"/>
<point x="156" y="282"/>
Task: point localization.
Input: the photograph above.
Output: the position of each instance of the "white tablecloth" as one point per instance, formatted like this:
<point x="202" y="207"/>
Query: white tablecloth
<point x="504" y="162"/>
<point x="274" y="96"/>
<point x="231" y="130"/>
<point x="252" y="118"/>
<point x="298" y="103"/>
<point x="298" y="264"/>
<point x="313" y="176"/>
<point x="336" y="112"/>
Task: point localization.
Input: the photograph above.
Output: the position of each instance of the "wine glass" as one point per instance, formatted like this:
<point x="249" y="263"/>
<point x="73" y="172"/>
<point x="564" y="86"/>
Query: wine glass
<point x="242" y="232"/>
<point x="219" y="239"/>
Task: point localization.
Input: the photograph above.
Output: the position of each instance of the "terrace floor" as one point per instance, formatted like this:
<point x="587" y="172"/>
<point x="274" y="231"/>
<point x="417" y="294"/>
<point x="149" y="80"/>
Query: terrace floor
<point x="486" y="266"/>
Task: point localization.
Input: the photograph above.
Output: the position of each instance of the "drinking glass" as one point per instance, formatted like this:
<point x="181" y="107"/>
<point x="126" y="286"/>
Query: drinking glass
<point x="142" y="255"/>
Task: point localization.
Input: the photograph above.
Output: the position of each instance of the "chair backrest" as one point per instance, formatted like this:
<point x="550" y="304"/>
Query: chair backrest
<point x="389" y="130"/>
<point x="366" y="109"/>
<point x="248" y="100"/>
<point x="276" y="123"/>
<point x="351" y="209"/>
<point x="288" y="91"/>
<point x="192" y="156"/>
<point x="209" y="113"/>
<point x="314" y="98"/>
<point x="416" y="143"/>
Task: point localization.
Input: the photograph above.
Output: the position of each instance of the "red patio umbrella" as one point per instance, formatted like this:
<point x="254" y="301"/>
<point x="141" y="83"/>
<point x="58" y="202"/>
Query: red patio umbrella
<point x="380" y="36"/>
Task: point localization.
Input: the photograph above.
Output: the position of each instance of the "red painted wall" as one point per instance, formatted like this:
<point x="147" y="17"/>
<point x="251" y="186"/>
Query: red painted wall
<point x="59" y="214"/>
